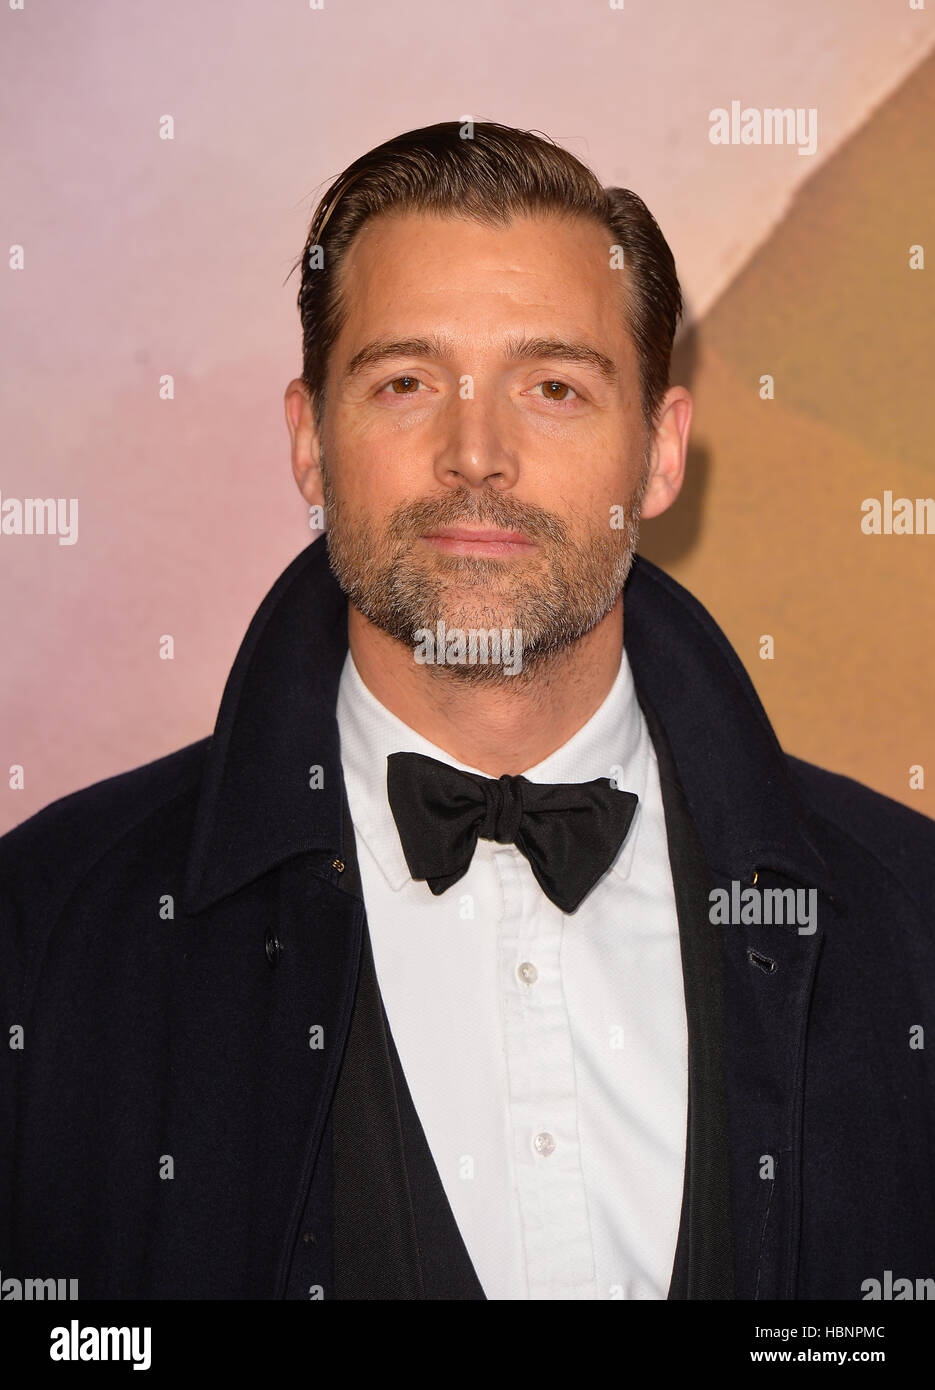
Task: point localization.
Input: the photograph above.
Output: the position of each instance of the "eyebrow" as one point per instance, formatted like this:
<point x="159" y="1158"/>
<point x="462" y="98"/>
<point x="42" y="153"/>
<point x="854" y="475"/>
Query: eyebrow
<point x="517" y="350"/>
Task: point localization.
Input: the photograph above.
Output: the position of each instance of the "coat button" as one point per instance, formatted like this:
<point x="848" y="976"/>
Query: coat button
<point x="273" y="948"/>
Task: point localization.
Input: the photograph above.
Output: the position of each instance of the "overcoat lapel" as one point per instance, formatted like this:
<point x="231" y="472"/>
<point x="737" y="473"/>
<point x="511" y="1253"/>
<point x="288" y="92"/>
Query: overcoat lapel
<point x="754" y="828"/>
<point x="395" y="1235"/>
<point x="703" y="1267"/>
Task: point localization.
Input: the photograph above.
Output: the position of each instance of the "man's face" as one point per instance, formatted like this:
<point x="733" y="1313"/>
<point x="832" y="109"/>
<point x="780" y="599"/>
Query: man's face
<point x="483" y="449"/>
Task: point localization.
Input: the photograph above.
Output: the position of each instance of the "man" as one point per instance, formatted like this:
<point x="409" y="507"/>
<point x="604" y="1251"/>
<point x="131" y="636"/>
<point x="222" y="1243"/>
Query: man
<point x="491" y="947"/>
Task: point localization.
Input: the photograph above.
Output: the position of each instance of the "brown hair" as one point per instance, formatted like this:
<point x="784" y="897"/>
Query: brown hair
<point x="491" y="175"/>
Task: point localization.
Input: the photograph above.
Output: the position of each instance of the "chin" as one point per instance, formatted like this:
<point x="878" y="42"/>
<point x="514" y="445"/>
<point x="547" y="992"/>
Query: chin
<point x="468" y="617"/>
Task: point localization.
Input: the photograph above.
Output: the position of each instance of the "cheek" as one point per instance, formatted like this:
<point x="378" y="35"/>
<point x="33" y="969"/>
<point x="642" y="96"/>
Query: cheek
<point x="607" y="480"/>
<point x="362" y="473"/>
<point x="379" y="475"/>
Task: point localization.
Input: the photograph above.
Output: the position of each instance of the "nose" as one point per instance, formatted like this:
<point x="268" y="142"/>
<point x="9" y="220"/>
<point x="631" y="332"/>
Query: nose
<point x="474" y="447"/>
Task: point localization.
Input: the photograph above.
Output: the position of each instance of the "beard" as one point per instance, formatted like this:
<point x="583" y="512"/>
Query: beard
<point x="552" y="599"/>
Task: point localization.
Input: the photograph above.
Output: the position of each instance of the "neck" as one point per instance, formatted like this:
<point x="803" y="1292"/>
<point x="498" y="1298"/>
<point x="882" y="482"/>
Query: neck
<point x="503" y="727"/>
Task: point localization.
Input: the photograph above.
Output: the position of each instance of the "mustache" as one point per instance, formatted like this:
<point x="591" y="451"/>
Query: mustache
<point x="413" y="519"/>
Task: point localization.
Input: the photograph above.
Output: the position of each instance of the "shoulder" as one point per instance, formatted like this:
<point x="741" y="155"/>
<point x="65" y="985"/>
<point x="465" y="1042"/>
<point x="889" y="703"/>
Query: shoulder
<point x="895" y="836"/>
<point x="43" y="859"/>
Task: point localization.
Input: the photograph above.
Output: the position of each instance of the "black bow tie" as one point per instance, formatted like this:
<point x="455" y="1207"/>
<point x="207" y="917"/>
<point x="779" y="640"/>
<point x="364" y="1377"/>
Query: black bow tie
<point x="570" y="832"/>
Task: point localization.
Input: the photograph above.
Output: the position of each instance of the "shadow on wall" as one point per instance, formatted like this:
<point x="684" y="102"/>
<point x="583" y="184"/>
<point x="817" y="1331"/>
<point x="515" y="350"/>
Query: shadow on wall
<point x="668" y="539"/>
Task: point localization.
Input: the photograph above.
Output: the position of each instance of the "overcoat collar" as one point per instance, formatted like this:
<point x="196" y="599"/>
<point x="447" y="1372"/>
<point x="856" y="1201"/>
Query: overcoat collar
<point x="272" y="786"/>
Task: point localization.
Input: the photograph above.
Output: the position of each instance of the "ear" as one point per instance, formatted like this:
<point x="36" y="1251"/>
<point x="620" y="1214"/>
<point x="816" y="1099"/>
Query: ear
<point x="668" y="453"/>
<point x="306" y="445"/>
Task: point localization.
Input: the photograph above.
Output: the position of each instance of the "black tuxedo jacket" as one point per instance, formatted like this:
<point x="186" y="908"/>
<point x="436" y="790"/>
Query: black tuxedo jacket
<point x="200" y="1094"/>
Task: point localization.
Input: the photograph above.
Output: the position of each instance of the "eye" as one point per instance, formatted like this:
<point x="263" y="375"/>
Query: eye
<point x="406" y="382"/>
<point x="551" y="387"/>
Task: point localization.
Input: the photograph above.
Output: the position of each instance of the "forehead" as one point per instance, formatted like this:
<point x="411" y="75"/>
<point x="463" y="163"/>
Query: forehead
<point x="419" y="272"/>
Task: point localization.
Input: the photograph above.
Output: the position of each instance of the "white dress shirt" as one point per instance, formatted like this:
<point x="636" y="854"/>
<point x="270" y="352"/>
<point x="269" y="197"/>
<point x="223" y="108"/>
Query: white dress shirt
<point x="546" y="1055"/>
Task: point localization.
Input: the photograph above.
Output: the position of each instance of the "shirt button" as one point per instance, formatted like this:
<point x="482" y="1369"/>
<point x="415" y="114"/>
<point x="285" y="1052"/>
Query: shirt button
<point x="527" y="972"/>
<point x="543" y="1144"/>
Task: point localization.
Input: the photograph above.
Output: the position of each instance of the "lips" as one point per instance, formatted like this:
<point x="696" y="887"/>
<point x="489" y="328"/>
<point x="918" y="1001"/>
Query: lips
<point x="474" y="540"/>
<point x="473" y="533"/>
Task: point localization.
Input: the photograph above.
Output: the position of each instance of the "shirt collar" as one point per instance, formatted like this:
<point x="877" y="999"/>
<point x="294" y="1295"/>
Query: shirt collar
<point x="613" y="742"/>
